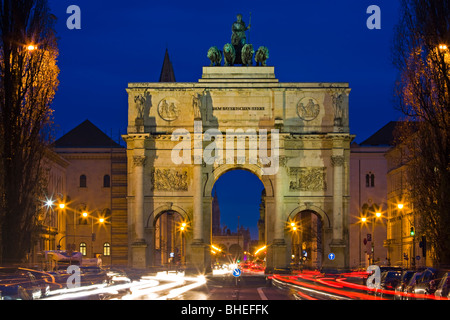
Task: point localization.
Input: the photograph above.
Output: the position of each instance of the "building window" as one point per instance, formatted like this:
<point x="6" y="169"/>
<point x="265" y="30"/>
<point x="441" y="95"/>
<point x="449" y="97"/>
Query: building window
<point x="370" y="180"/>
<point x="106" y="249"/>
<point x="83" y="248"/>
<point x="106" y="181"/>
<point x="83" y="181"/>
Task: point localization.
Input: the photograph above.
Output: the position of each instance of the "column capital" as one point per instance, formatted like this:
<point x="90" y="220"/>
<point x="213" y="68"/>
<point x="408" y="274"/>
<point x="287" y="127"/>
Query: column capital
<point x="337" y="161"/>
<point x="139" y="161"/>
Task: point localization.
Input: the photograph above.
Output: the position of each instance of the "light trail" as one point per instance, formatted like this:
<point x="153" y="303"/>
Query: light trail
<point x="147" y="287"/>
<point x="328" y="291"/>
<point x="341" y="286"/>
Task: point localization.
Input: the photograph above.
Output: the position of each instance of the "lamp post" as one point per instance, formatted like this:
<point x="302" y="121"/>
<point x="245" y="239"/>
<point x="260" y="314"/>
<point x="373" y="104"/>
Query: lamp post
<point x="183" y="229"/>
<point x="400" y="207"/>
<point x="363" y="220"/>
<point x="101" y="220"/>
<point x="412" y="232"/>
<point x="376" y="214"/>
<point x="293" y="228"/>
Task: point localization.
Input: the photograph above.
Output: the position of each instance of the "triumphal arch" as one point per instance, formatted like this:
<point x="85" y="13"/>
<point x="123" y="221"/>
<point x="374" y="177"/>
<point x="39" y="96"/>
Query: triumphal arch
<point x="183" y="136"/>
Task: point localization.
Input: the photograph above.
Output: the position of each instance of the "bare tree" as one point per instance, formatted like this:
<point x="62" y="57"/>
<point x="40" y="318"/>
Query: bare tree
<point x="28" y="82"/>
<point x="422" y="56"/>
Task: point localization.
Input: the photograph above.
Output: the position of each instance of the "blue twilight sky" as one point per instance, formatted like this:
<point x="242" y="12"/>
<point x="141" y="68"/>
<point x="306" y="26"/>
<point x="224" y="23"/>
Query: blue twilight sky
<point x="309" y="41"/>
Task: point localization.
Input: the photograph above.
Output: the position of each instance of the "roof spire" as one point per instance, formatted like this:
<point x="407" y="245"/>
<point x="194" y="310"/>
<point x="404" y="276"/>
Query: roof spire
<point x="167" y="73"/>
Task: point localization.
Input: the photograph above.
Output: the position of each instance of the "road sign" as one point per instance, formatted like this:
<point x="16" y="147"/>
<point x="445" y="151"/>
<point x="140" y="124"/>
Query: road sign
<point x="237" y="272"/>
<point x="331" y="256"/>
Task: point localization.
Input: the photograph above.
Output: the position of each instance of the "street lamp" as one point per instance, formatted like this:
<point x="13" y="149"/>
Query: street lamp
<point x="295" y="246"/>
<point x="183" y="229"/>
<point x="373" y="217"/>
<point x="31" y="47"/>
<point x="400" y="206"/>
<point x="443" y="46"/>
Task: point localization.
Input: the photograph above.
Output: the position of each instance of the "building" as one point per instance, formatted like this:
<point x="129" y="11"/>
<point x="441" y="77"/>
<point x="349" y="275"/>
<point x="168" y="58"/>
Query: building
<point x="95" y="194"/>
<point x="368" y="196"/>
<point x="314" y="146"/>
<point x="404" y="247"/>
<point x="51" y="218"/>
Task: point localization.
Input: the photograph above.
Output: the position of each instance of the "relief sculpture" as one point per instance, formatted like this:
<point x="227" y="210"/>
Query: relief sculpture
<point x="168" y="109"/>
<point x="307" y="179"/>
<point x="170" y="180"/>
<point x="308" y="110"/>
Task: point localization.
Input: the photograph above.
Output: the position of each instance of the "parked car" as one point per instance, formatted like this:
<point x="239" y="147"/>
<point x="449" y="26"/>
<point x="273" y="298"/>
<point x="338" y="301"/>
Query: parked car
<point x="428" y="282"/>
<point x="93" y="275"/>
<point x="389" y="281"/>
<point x="44" y="281"/>
<point x="17" y="284"/>
<point x="443" y="288"/>
<point x="403" y="282"/>
<point x="409" y="288"/>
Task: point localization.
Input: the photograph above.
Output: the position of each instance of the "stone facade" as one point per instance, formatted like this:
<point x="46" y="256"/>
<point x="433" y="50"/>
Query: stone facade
<point x="368" y="190"/>
<point x="305" y="126"/>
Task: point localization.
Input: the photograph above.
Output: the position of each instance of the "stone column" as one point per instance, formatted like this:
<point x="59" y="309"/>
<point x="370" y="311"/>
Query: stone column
<point x="198" y="204"/>
<point x="338" y="163"/>
<point x="279" y="221"/>
<point x="279" y="247"/>
<point x="139" y="162"/>
<point x="139" y="245"/>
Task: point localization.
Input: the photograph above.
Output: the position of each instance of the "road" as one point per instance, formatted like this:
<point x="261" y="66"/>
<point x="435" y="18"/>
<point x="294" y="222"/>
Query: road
<point x="246" y="287"/>
<point x="224" y="286"/>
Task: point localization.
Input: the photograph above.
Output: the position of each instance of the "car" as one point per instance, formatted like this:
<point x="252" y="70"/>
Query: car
<point x="403" y="282"/>
<point x="428" y="282"/>
<point x="443" y="287"/>
<point x="44" y="280"/>
<point x="93" y="275"/>
<point x="17" y="284"/>
<point x="388" y="281"/>
<point x="409" y="288"/>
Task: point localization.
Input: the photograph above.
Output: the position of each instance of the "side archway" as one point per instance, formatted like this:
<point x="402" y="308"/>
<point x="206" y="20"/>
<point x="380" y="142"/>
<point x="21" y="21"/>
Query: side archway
<point x="307" y="226"/>
<point x="167" y="235"/>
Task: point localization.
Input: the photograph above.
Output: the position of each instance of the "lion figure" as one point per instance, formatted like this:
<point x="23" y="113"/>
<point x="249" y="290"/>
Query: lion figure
<point x="261" y="56"/>
<point x="215" y="56"/>
<point x="247" y="54"/>
<point x="229" y="54"/>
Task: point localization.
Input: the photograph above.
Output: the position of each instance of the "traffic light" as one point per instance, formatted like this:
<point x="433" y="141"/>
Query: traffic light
<point x="93" y="237"/>
<point x="423" y="245"/>
<point x="411" y="232"/>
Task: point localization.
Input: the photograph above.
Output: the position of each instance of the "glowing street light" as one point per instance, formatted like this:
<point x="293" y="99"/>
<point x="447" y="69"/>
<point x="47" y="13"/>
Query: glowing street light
<point x="31" y="47"/>
<point x="400" y="205"/>
<point x="49" y="203"/>
<point x="293" y="226"/>
<point x="443" y="47"/>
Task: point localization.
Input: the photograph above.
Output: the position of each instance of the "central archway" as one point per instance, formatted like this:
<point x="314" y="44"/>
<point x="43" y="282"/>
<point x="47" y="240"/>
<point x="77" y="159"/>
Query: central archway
<point x="237" y="217"/>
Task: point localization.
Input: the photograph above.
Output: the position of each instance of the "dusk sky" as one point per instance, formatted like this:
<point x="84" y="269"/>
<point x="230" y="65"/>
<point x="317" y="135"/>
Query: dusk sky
<point x="309" y="41"/>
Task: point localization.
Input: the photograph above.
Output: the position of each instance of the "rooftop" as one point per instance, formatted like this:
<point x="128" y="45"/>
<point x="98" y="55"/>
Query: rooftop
<point x="86" y="135"/>
<point x="383" y="137"/>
